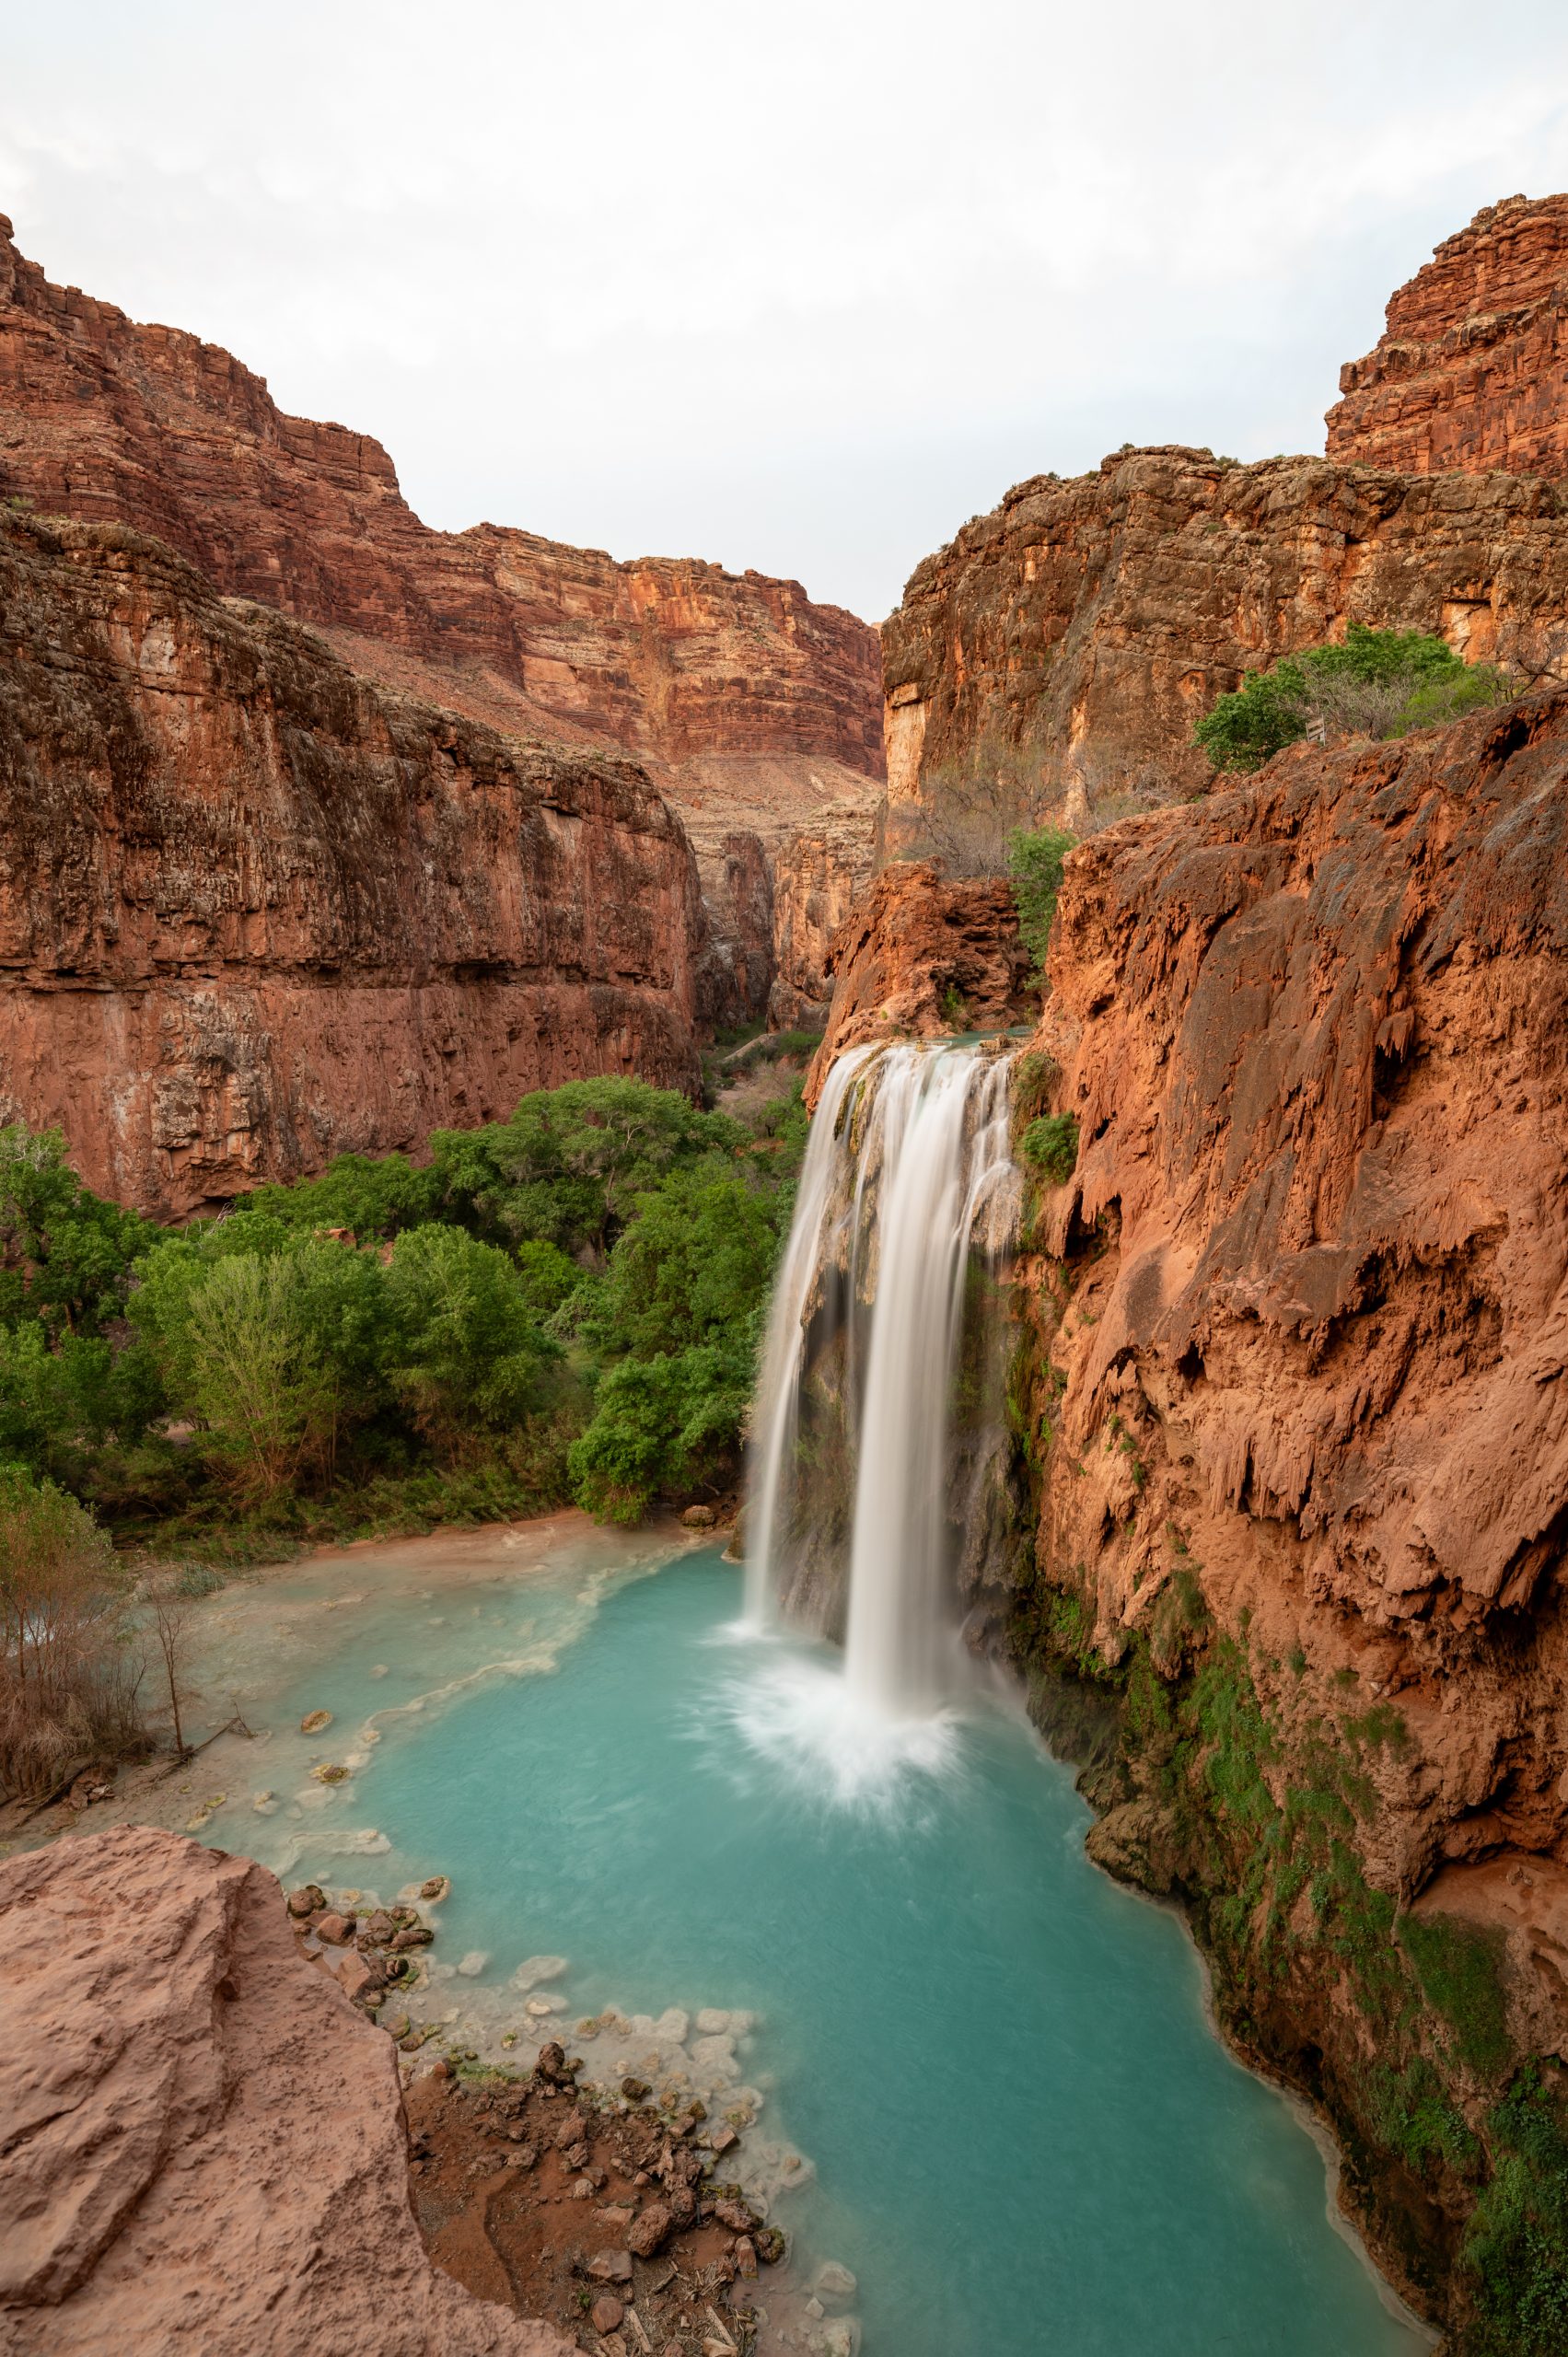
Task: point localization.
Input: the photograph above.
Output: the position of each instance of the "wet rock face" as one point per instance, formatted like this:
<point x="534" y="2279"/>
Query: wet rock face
<point x="1315" y="1035"/>
<point x="107" y="420"/>
<point x="921" y="958"/>
<point x="1054" y="658"/>
<point x="206" y="2148"/>
<point x="1471" y="371"/>
<point x="255" y="911"/>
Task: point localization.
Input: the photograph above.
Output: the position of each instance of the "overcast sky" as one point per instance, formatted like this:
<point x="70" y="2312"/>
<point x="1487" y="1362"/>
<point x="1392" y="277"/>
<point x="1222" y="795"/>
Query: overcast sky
<point x="793" y="286"/>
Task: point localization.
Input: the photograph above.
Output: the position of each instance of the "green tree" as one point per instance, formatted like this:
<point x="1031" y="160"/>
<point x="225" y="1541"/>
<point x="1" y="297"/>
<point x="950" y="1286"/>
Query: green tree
<point x="693" y="1266"/>
<point x="65" y="1254"/>
<point x="568" y="1164"/>
<point x="471" y="1356"/>
<point x="1379" y="683"/>
<point x="665" y="1423"/>
<point x="1037" y="860"/>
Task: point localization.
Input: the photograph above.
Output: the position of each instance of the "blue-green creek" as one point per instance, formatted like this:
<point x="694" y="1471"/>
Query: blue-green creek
<point x="1017" y="2128"/>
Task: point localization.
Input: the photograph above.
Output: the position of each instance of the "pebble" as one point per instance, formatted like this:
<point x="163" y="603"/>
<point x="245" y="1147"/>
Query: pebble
<point x="712" y="2023"/>
<point x="335" y="1929"/>
<point x="834" y="2284"/>
<point x="474" y="1963"/>
<point x="330" y="1773"/>
<point x="313" y="1721"/>
<point x="539" y="2006"/>
<point x="605" y="2313"/>
<point x="610" y="2267"/>
<point x="437" y="1887"/>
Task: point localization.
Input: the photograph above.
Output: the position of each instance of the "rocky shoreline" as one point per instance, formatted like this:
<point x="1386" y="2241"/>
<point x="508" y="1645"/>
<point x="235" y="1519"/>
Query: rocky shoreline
<point x="630" y="2215"/>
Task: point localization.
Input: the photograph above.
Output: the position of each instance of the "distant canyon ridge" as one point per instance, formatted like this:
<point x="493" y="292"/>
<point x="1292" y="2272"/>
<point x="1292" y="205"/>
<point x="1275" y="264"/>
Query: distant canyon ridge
<point x="326" y="828"/>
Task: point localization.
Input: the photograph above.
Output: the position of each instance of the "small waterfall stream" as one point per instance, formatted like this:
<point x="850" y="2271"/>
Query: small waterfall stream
<point x="878" y="1418"/>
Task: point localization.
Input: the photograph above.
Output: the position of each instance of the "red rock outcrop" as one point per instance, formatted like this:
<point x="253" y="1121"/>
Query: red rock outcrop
<point x="1471" y="371"/>
<point x="1315" y="1034"/>
<point x="203" y="2145"/>
<point x="1055" y="657"/>
<point x="255" y="911"/>
<point x="109" y="421"/>
<point x="752" y="706"/>
<point x="921" y="958"/>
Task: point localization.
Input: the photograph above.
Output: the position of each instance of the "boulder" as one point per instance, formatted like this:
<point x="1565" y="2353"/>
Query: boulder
<point x="206" y="2144"/>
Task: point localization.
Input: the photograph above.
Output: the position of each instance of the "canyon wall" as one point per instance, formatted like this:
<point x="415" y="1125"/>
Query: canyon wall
<point x="1297" y="1429"/>
<point x="1471" y="371"/>
<point x="752" y="707"/>
<point x="204" y="2141"/>
<point x="1054" y="657"/>
<point x="255" y="911"/>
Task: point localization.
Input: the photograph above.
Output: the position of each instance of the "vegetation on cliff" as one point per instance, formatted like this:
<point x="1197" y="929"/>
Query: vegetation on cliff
<point x="1253" y="1789"/>
<point x="1378" y="683"/>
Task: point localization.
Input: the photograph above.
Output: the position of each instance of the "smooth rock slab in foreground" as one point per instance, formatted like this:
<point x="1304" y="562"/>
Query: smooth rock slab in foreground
<point x="202" y="2145"/>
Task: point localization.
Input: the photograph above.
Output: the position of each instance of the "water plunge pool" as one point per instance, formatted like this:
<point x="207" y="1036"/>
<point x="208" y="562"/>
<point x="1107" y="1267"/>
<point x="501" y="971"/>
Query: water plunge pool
<point x="1022" y="2135"/>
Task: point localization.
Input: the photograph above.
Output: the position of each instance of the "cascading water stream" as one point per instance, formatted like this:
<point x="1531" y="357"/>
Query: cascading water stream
<point x="909" y="1187"/>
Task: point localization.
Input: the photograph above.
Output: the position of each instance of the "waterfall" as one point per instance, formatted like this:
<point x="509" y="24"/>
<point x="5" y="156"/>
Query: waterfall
<point x="907" y="1209"/>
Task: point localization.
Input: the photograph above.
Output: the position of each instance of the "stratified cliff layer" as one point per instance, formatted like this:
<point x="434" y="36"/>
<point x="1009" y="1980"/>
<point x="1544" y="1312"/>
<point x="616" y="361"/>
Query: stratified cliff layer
<point x="1471" y="371"/>
<point x="107" y="420"/>
<point x="1055" y="657"/>
<point x="204" y="2146"/>
<point x="755" y="709"/>
<point x="1298" y="1431"/>
<point x="255" y="911"/>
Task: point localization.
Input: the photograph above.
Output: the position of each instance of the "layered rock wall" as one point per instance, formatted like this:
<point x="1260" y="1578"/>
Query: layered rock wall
<point x="111" y="420"/>
<point x="1056" y="655"/>
<point x="1472" y="370"/>
<point x="753" y="708"/>
<point x="255" y="911"/>
<point x="1299" y="1424"/>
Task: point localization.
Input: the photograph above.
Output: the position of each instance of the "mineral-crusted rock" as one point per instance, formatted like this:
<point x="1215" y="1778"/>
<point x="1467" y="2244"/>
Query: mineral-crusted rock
<point x="203" y="2143"/>
<point x="1471" y="371"/>
<point x="255" y="911"/>
<point x="1055" y="657"/>
<point x="1315" y="1035"/>
<point x="920" y="958"/>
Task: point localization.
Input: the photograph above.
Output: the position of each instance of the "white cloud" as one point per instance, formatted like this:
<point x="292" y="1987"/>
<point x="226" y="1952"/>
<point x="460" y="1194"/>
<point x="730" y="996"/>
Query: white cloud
<point x="795" y="288"/>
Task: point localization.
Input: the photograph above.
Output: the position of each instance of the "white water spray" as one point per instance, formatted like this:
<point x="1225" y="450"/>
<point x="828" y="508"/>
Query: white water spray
<point x="908" y="1180"/>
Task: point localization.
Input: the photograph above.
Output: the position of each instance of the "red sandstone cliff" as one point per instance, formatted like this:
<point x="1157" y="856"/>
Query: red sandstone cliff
<point x="1055" y="657"/>
<point x="255" y="911"/>
<point x="1471" y="369"/>
<point x="754" y="708"/>
<point x="205" y="2146"/>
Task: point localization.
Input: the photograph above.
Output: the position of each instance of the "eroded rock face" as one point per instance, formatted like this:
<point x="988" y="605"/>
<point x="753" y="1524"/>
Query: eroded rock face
<point x="751" y="705"/>
<point x="111" y="420"/>
<point x="203" y="2145"/>
<point x="1315" y="1034"/>
<point x="1471" y="371"/>
<point x="1054" y="657"/>
<point x="921" y="958"/>
<point x="255" y="911"/>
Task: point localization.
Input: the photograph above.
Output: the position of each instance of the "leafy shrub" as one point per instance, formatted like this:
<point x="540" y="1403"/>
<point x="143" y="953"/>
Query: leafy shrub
<point x="1515" y="2249"/>
<point x="1036" y="861"/>
<point x="1050" y="1146"/>
<point x="1376" y="683"/>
